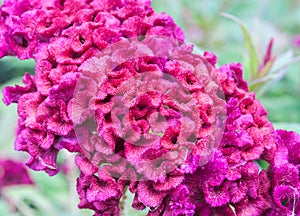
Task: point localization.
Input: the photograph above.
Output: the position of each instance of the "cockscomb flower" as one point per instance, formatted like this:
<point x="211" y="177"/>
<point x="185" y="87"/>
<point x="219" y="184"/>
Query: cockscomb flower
<point x="60" y="36"/>
<point x="151" y="112"/>
<point x="115" y="83"/>
<point x="68" y="54"/>
<point x="231" y="183"/>
<point x="284" y="173"/>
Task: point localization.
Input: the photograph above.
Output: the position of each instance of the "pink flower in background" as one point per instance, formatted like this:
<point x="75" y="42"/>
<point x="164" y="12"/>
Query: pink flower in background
<point x="13" y="173"/>
<point x="297" y="41"/>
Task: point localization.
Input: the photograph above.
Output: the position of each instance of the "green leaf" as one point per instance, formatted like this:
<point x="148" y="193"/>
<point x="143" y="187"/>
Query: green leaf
<point x="278" y="71"/>
<point x="254" y="62"/>
<point x="262" y="164"/>
<point x="8" y="125"/>
<point x="49" y="196"/>
<point x="55" y="187"/>
<point x="13" y="67"/>
<point x="20" y="196"/>
<point x="265" y="70"/>
<point x="128" y="210"/>
<point x="159" y="134"/>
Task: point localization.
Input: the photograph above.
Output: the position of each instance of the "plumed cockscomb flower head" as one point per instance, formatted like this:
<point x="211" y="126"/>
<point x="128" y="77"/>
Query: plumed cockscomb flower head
<point x="143" y="107"/>
<point x="61" y="36"/>
<point x="116" y="83"/>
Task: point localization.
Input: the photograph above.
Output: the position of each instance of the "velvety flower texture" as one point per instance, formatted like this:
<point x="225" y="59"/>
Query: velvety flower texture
<point x="60" y="36"/>
<point x="285" y="174"/>
<point x="86" y="97"/>
<point x="13" y="173"/>
<point x="231" y="182"/>
<point x="149" y="165"/>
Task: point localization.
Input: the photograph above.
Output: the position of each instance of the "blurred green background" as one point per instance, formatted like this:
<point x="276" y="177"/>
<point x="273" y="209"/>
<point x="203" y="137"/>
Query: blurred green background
<point x="204" y="27"/>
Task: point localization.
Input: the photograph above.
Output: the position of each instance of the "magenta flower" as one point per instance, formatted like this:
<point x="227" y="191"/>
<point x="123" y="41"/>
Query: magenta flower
<point x="115" y="83"/>
<point x="13" y="173"/>
<point x="297" y="41"/>
<point x="285" y="174"/>
<point x="231" y="181"/>
<point x="59" y="45"/>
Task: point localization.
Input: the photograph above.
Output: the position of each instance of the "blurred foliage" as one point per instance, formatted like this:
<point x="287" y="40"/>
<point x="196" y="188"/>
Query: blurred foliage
<point x="203" y="26"/>
<point x="12" y="67"/>
<point x="8" y="125"/>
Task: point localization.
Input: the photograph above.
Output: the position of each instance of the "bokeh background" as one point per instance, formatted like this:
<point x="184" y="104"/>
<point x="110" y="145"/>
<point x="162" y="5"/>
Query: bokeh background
<point x="208" y="30"/>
